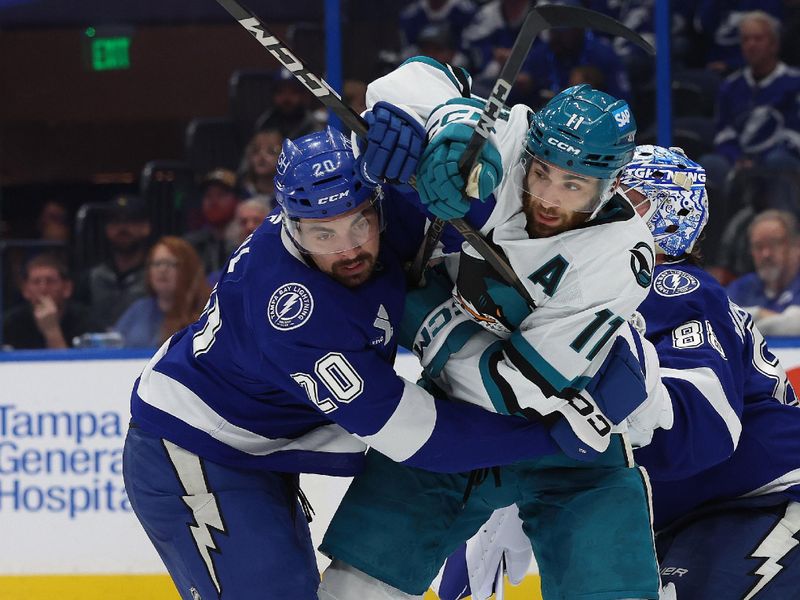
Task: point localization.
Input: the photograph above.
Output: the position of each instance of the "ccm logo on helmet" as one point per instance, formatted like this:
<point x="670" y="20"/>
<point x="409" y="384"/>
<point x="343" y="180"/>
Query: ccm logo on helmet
<point x="334" y="197"/>
<point x="563" y="146"/>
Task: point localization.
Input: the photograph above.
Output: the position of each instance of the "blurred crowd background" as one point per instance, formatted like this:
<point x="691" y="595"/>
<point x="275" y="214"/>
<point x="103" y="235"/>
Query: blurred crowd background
<point x="138" y="141"/>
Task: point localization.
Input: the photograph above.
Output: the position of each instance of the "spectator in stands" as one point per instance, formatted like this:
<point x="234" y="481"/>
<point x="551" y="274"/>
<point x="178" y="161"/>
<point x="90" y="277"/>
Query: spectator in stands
<point x="257" y="169"/>
<point x="53" y="222"/>
<point x="772" y="293"/>
<point x="49" y="319"/>
<point x="111" y="286"/>
<point x="53" y="230"/>
<point x="551" y="63"/>
<point x="451" y="15"/>
<point x="758" y="107"/>
<point x="218" y="237"/>
<point x="176" y="293"/>
<point x="488" y="41"/>
<point x="290" y="111"/>
<point x="249" y="215"/>
<point x="719" y="22"/>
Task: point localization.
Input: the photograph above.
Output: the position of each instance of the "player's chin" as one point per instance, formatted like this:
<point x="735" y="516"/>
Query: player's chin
<point x="352" y="277"/>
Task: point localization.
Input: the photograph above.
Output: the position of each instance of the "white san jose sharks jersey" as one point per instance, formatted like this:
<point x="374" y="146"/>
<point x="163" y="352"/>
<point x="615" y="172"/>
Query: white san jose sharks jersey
<point x="585" y="282"/>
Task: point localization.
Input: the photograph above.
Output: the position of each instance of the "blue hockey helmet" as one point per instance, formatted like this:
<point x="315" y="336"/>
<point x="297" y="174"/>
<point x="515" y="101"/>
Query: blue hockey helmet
<point x="584" y="131"/>
<point x="674" y="187"/>
<point x="317" y="179"/>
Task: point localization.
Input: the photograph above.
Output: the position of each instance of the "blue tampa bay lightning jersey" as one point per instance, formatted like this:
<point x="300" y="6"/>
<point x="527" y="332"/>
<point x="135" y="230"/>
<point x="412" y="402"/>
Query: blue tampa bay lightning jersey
<point x="285" y="364"/>
<point x="720" y="373"/>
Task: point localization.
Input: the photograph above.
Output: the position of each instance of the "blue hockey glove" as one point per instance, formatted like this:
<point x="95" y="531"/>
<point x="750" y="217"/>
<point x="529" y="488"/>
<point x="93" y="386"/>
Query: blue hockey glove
<point x="433" y="326"/>
<point x="618" y="388"/>
<point x="441" y="187"/>
<point x="393" y="146"/>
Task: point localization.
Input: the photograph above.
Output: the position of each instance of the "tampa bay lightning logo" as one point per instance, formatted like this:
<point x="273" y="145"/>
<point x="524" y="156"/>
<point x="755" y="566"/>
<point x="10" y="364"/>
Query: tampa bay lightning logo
<point x="289" y="307"/>
<point x="672" y="282"/>
<point x="642" y="261"/>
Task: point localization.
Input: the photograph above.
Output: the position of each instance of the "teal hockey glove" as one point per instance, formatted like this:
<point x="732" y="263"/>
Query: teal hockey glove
<point x="441" y="187"/>
<point x="433" y="326"/>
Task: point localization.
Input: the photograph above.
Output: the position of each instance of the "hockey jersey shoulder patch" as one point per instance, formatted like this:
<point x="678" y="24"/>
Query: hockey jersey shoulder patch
<point x="290" y="306"/>
<point x="642" y="262"/>
<point x="674" y="282"/>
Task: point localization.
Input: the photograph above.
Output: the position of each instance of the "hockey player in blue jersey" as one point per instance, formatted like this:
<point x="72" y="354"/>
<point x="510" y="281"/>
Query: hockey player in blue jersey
<point x="726" y="476"/>
<point x="288" y="371"/>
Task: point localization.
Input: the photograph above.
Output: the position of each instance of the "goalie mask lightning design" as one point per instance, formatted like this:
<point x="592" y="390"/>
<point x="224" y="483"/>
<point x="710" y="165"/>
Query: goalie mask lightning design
<point x="675" y="188"/>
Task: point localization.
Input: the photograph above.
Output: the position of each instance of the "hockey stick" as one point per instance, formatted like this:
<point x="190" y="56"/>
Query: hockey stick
<point x="353" y="120"/>
<point x="499" y="581"/>
<point x="537" y="20"/>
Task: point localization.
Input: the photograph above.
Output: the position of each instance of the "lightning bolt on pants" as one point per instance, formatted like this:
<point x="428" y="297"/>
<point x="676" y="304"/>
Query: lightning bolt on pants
<point x="742" y="549"/>
<point x="222" y="533"/>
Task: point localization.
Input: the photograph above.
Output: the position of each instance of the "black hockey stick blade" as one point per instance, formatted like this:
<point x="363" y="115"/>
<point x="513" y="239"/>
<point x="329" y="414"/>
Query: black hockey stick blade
<point x="316" y="85"/>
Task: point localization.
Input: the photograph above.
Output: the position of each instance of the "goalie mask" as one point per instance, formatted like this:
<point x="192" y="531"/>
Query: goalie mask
<point x="326" y="207"/>
<point x="672" y="196"/>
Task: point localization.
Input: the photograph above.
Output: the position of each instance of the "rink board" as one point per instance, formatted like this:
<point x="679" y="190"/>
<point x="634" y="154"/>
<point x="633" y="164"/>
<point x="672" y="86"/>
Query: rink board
<point x="67" y="528"/>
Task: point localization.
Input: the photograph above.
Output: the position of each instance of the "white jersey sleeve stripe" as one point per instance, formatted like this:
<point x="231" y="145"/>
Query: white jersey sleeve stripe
<point x="707" y="383"/>
<point x="408" y="429"/>
<point x="780" y="484"/>
<point x="174" y="398"/>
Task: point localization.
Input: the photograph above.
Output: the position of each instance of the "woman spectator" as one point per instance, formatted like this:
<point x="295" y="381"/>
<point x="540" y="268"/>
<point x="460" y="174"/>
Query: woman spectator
<point x="258" y="166"/>
<point x="177" y="291"/>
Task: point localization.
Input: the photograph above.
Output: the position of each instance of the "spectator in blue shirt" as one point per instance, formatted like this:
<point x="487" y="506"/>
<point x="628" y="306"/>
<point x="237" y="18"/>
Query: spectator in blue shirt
<point x="719" y="22"/>
<point x="772" y="293"/>
<point x="758" y="109"/>
<point x="177" y="292"/>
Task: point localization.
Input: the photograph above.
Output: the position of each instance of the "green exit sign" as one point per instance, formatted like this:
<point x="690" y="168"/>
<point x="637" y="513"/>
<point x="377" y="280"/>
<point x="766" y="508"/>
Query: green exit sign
<point x="110" y="53"/>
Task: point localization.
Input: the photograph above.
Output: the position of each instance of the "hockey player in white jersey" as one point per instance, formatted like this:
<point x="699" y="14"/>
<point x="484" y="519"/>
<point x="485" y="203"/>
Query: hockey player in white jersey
<point x="726" y="490"/>
<point x="586" y="259"/>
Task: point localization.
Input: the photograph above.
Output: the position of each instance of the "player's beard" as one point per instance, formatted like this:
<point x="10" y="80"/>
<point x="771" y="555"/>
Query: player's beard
<point x="562" y="220"/>
<point x="339" y="273"/>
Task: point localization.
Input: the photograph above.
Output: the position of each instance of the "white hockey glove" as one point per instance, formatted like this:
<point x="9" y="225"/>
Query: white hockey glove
<point x="501" y="535"/>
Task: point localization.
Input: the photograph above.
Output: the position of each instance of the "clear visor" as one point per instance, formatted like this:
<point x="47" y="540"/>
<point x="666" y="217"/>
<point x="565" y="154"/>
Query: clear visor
<point x="551" y="186"/>
<point x="340" y="233"/>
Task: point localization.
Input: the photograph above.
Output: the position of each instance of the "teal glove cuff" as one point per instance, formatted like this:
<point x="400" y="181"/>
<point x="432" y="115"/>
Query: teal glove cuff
<point x="433" y="326"/>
